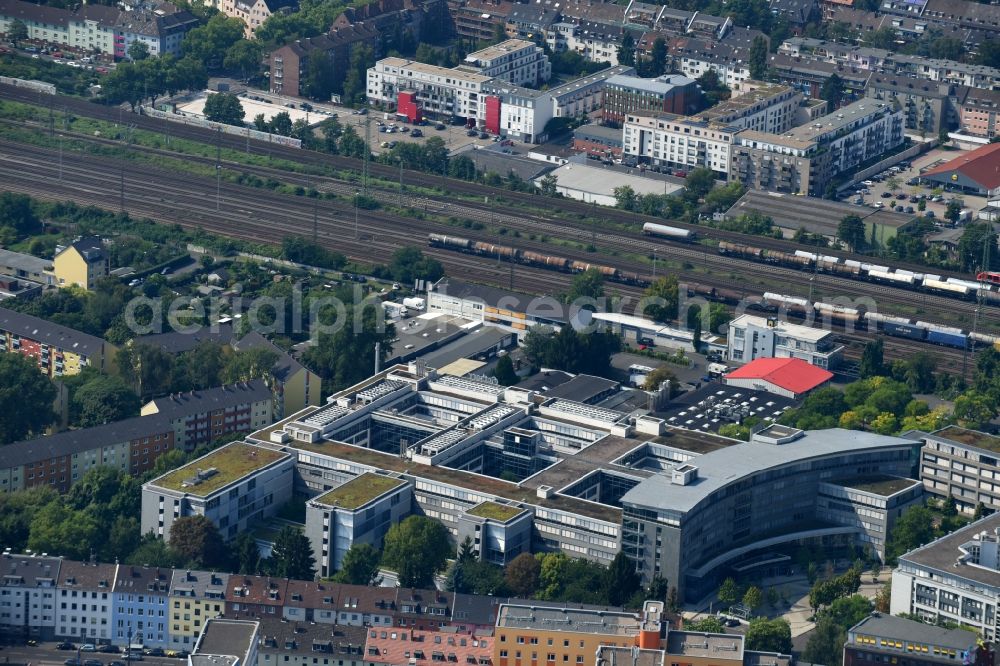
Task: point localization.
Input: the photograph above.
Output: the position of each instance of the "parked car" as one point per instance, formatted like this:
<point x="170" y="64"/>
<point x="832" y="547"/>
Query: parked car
<point x="133" y="655"/>
<point x="416" y="133"/>
<point x="88" y="647"/>
<point x="484" y="135"/>
<point x="471" y="132"/>
<point x="439" y="127"/>
<point x="73" y="661"/>
<point x="900" y="196"/>
<point x="117" y="663"/>
<point x="65" y="645"/>
<point x="93" y="662"/>
<point x="887" y="195"/>
<point x="155" y="652"/>
<point x="109" y="649"/>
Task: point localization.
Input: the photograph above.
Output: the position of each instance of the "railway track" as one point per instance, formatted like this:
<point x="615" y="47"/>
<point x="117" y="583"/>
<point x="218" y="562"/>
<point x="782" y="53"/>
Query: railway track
<point x="566" y="213"/>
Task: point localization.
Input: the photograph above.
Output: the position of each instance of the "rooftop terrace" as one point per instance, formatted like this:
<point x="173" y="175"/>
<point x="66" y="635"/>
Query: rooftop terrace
<point x="360" y="491"/>
<point x="880" y="485"/>
<point x="218" y="469"/>
<point x="968" y="437"/>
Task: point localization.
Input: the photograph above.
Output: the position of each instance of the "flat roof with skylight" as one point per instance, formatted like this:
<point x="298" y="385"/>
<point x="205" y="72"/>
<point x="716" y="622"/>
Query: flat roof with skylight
<point x="219" y="468"/>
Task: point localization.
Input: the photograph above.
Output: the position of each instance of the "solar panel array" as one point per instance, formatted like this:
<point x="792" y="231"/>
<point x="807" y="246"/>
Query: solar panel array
<point x="585" y="411"/>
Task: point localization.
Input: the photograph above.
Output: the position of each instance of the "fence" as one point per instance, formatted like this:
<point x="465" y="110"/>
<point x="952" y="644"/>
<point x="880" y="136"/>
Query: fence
<point x="228" y="129"/>
<point x="47" y="88"/>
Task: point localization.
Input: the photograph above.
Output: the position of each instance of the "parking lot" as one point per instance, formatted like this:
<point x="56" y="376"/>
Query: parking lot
<point x="908" y="195"/>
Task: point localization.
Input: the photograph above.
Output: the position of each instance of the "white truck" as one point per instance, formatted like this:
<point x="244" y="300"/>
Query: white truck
<point x="415" y="303"/>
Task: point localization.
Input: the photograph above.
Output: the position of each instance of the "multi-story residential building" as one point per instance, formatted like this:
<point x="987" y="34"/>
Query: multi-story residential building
<point x="480" y="19"/>
<point x="28" y="595"/>
<point x="311" y="601"/>
<point x="671" y="93"/>
<point x="228" y="641"/>
<point x="596" y="41"/>
<point x="253" y="13"/>
<point x="60" y="460"/>
<point x="58" y="350"/>
<point x="26" y="266"/>
<point x="233" y="487"/>
<point x="290" y="63"/>
<point x="718" y="516"/>
<point x="887" y="639"/>
<point x="962" y="464"/>
<point x="679" y="142"/>
<point x="515" y="61"/>
<point x="140" y="614"/>
<point x="366" y="606"/>
<point x="763" y="107"/>
<point x="85" y="601"/>
<point x="194" y="598"/>
<point x="305" y="644"/>
<point x="752" y="337"/>
<point x="441" y="91"/>
<point x="807" y="159"/>
<point x="100" y="29"/>
<point x="925" y="105"/>
<point x="953" y="579"/>
<point x="555" y="635"/>
<point x="693" y="57"/>
<point x="255" y="596"/>
<point x="199" y="417"/>
<point x="359" y="511"/>
<point x="978" y="111"/>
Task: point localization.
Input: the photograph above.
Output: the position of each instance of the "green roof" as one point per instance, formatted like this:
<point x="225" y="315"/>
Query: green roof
<point x="495" y="511"/>
<point x="219" y="468"/>
<point x="968" y="437"/>
<point x="880" y="485"/>
<point x="360" y="491"/>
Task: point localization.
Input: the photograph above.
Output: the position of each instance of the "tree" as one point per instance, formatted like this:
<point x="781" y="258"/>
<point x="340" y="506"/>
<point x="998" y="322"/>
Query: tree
<point x="660" y="299"/>
<point x="872" y="359"/>
<point x="416" y="549"/>
<point x="209" y="43"/>
<point x="974" y="410"/>
<point x="57" y="528"/>
<point x="104" y="400"/>
<point x="626" y="49"/>
<point x="764" y="635"/>
<point x="832" y="91"/>
<point x="409" y="264"/>
<point x="504" y="371"/>
<point x="848" y="611"/>
<point x="625" y="197"/>
<point x="245" y="57"/>
<point x="523" y="574"/>
<point x="153" y="552"/>
<point x="292" y="555"/>
<point x="883" y="38"/>
<point x="757" y="60"/>
<point x="953" y="210"/>
<point x="138" y="50"/>
<point x="753" y="598"/>
<point x="548" y="184"/>
<point x="729" y="592"/>
<point x="851" y="230"/>
<point x="658" y="57"/>
<point x="621" y="580"/>
<point x="197" y="541"/>
<point x="587" y="285"/>
<point x="709" y="624"/>
<point x="571" y="351"/>
<point x="17" y="213"/>
<point x="280" y="124"/>
<point x="883" y="597"/>
<point x="656" y="378"/>
<point x="694" y="325"/>
<point x="17" y="31"/>
<point x="360" y="566"/>
<point x="826" y="644"/>
<point x="914" y="528"/>
<point x="246" y="554"/>
<point x="977" y="242"/>
<point x="698" y="183"/>
<point x="224" y="108"/>
<point x="21" y="384"/>
<point x="362" y="58"/>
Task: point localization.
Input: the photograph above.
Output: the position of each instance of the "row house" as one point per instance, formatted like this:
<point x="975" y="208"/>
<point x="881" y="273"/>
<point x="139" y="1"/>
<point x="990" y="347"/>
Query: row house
<point x="480" y="19"/>
<point x="285" y="643"/>
<point x="256" y="596"/>
<point x="60" y="460"/>
<point x="28" y="595"/>
<point x="140" y="608"/>
<point x="311" y="601"/>
<point x="85" y="601"/>
<point x="978" y="112"/>
<point x="194" y="598"/>
<point x="57" y="350"/>
<point x="201" y="416"/>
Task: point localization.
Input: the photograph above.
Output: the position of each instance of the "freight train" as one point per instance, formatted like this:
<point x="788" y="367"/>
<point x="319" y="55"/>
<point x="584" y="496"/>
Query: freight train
<point x="537" y="259"/>
<point x="987" y="287"/>
<point x="859" y="318"/>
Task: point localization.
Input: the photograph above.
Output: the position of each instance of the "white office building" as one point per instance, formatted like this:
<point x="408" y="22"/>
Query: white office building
<point x="752" y="337"/>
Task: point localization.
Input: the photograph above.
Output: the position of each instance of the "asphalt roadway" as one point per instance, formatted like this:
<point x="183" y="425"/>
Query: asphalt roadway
<point x="46" y="654"/>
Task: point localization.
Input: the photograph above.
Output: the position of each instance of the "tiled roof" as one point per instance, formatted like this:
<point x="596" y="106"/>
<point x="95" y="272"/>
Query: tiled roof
<point x="84" y="576"/>
<point x="263" y="590"/>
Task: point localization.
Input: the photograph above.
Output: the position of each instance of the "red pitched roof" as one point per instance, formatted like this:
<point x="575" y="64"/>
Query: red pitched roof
<point x="981" y="166"/>
<point x="791" y="374"/>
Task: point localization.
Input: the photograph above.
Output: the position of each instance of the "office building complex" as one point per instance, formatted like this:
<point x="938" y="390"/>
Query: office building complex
<point x="729" y="512"/>
<point x="962" y="464"/>
<point x="233" y="487"/>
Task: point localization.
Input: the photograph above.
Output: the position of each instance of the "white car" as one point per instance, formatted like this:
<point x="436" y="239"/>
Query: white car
<point x="73" y="63"/>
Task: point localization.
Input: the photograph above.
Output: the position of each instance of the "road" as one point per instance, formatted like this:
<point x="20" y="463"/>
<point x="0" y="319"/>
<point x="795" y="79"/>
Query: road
<point x="46" y="654"/>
